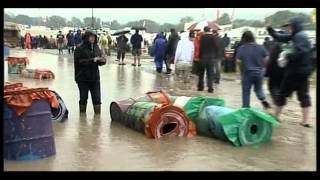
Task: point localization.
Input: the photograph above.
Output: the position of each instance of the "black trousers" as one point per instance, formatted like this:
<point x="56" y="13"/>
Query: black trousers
<point x="94" y="88"/>
<point x="298" y="84"/>
<point x="169" y="60"/>
<point x="121" y="54"/>
<point x="195" y="67"/>
<point x="70" y="49"/>
<point x="274" y="84"/>
<point x="206" y="65"/>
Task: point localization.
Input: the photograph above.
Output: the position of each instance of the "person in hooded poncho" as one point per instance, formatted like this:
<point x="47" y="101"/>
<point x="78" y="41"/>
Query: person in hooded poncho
<point x="298" y="68"/>
<point x="87" y="59"/>
<point x="171" y="49"/>
<point x="184" y="57"/>
<point x="158" y="51"/>
<point x="104" y="43"/>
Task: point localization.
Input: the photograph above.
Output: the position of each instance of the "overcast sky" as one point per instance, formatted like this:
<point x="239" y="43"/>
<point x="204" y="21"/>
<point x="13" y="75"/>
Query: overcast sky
<point x="160" y="15"/>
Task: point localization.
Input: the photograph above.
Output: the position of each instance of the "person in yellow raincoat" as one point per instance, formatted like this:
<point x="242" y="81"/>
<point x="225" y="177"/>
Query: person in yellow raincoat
<point x="103" y="43"/>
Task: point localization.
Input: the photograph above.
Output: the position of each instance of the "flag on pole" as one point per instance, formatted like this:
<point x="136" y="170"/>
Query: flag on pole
<point x="232" y="15"/>
<point x="218" y="14"/>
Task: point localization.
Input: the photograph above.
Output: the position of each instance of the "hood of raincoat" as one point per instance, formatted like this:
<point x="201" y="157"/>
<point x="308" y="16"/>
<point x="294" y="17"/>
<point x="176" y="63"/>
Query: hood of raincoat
<point x="184" y="36"/>
<point x="86" y="37"/>
<point x="159" y="35"/>
<point x="296" y="24"/>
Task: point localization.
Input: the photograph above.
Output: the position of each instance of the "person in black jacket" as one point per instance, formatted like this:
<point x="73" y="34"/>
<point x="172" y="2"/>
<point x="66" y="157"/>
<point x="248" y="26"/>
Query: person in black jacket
<point x="171" y="49"/>
<point x="70" y="42"/>
<point x="226" y="40"/>
<point x="87" y="58"/>
<point x="121" y="48"/>
<point x="208" y="52"/>
<point x="136" y="41"/>
<point x="274" y="73"/>
<point x="298" y="68"/>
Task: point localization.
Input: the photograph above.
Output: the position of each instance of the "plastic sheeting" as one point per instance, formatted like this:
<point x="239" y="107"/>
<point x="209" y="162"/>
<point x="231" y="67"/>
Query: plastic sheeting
<point x="20" y="98"/>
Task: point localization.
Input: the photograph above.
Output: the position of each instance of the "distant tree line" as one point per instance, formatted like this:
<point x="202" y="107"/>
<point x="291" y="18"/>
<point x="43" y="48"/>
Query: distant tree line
<point x="279" y="18"/>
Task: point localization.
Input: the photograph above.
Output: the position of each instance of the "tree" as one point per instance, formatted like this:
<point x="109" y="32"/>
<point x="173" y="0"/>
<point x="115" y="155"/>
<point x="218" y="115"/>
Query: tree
<point x="37" y="21"/>
<point x="186" y="19"/>
<point x="76" y="22"/>
<point x="70" y="24"/>
<point x="257" y="24"/>
<point x="23" y="19"/>
<point x="88" y="22"/>
<point x="224" y="19"/>
<point x="180" y="26"/>
<point x="8" y="18"/>
<point x="282" y="17"/>
<point x="166" y="27"/>
<point x="115" y="25"/>
<point x="56" y="22"/>
<point x="150" y="25"/>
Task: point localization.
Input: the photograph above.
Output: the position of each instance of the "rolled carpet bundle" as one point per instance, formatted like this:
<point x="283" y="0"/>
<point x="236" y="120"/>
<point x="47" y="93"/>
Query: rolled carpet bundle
<point x="158" y="120"/>
<point x="240" y="127"/>
<point x="194" y="105"/>
<point x="118" y="109"/>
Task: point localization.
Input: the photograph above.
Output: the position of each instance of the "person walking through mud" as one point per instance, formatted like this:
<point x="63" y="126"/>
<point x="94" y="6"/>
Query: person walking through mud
<point x="171" y="49"/>
<point x="87" y="59"/>
<point x="274" y="72"/>
<point x="28" y="40"/>
<point x="158" y="51"/>
<point x="70" y="42"/>
<point x="78" y="38"/>
<point x="121" y="48"/>
<point x="208" y="51"/>
<point x="103" y="43"/>
<point x="60" y="41"/>
<point x="298" y="67"/>
<point x="136" y="41"/>
<point x="196" y="42"/>
<point x="184" y="57"/>
<point x="253" y="58"/>
<point x="221" y="45"/>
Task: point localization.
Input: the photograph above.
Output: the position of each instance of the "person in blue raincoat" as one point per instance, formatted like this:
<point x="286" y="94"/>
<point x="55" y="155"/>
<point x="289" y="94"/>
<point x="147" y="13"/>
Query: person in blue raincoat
<point x="158" y="51"/>
<point x="77" y="38"/>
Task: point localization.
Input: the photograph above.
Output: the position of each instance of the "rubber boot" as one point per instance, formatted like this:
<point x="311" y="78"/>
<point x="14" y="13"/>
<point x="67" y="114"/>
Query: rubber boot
<point x="97" y="109"/>
<point x="82" y="108"/>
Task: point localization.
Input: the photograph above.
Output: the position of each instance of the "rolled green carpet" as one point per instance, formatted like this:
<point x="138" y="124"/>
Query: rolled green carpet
<point x="247" y="126"/>
<point x="196" y="104"/>
<point x="208" y="123"/>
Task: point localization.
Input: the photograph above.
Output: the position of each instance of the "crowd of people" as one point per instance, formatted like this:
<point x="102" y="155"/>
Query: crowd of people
<point x="70" y="41"/>
<point x="287" y="60"/>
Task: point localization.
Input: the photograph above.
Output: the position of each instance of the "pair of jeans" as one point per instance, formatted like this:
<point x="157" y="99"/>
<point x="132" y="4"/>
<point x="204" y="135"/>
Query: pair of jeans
<point x="206" y="65"/>
<point x="93" y="87"/>
<point x="249" y="79"/>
